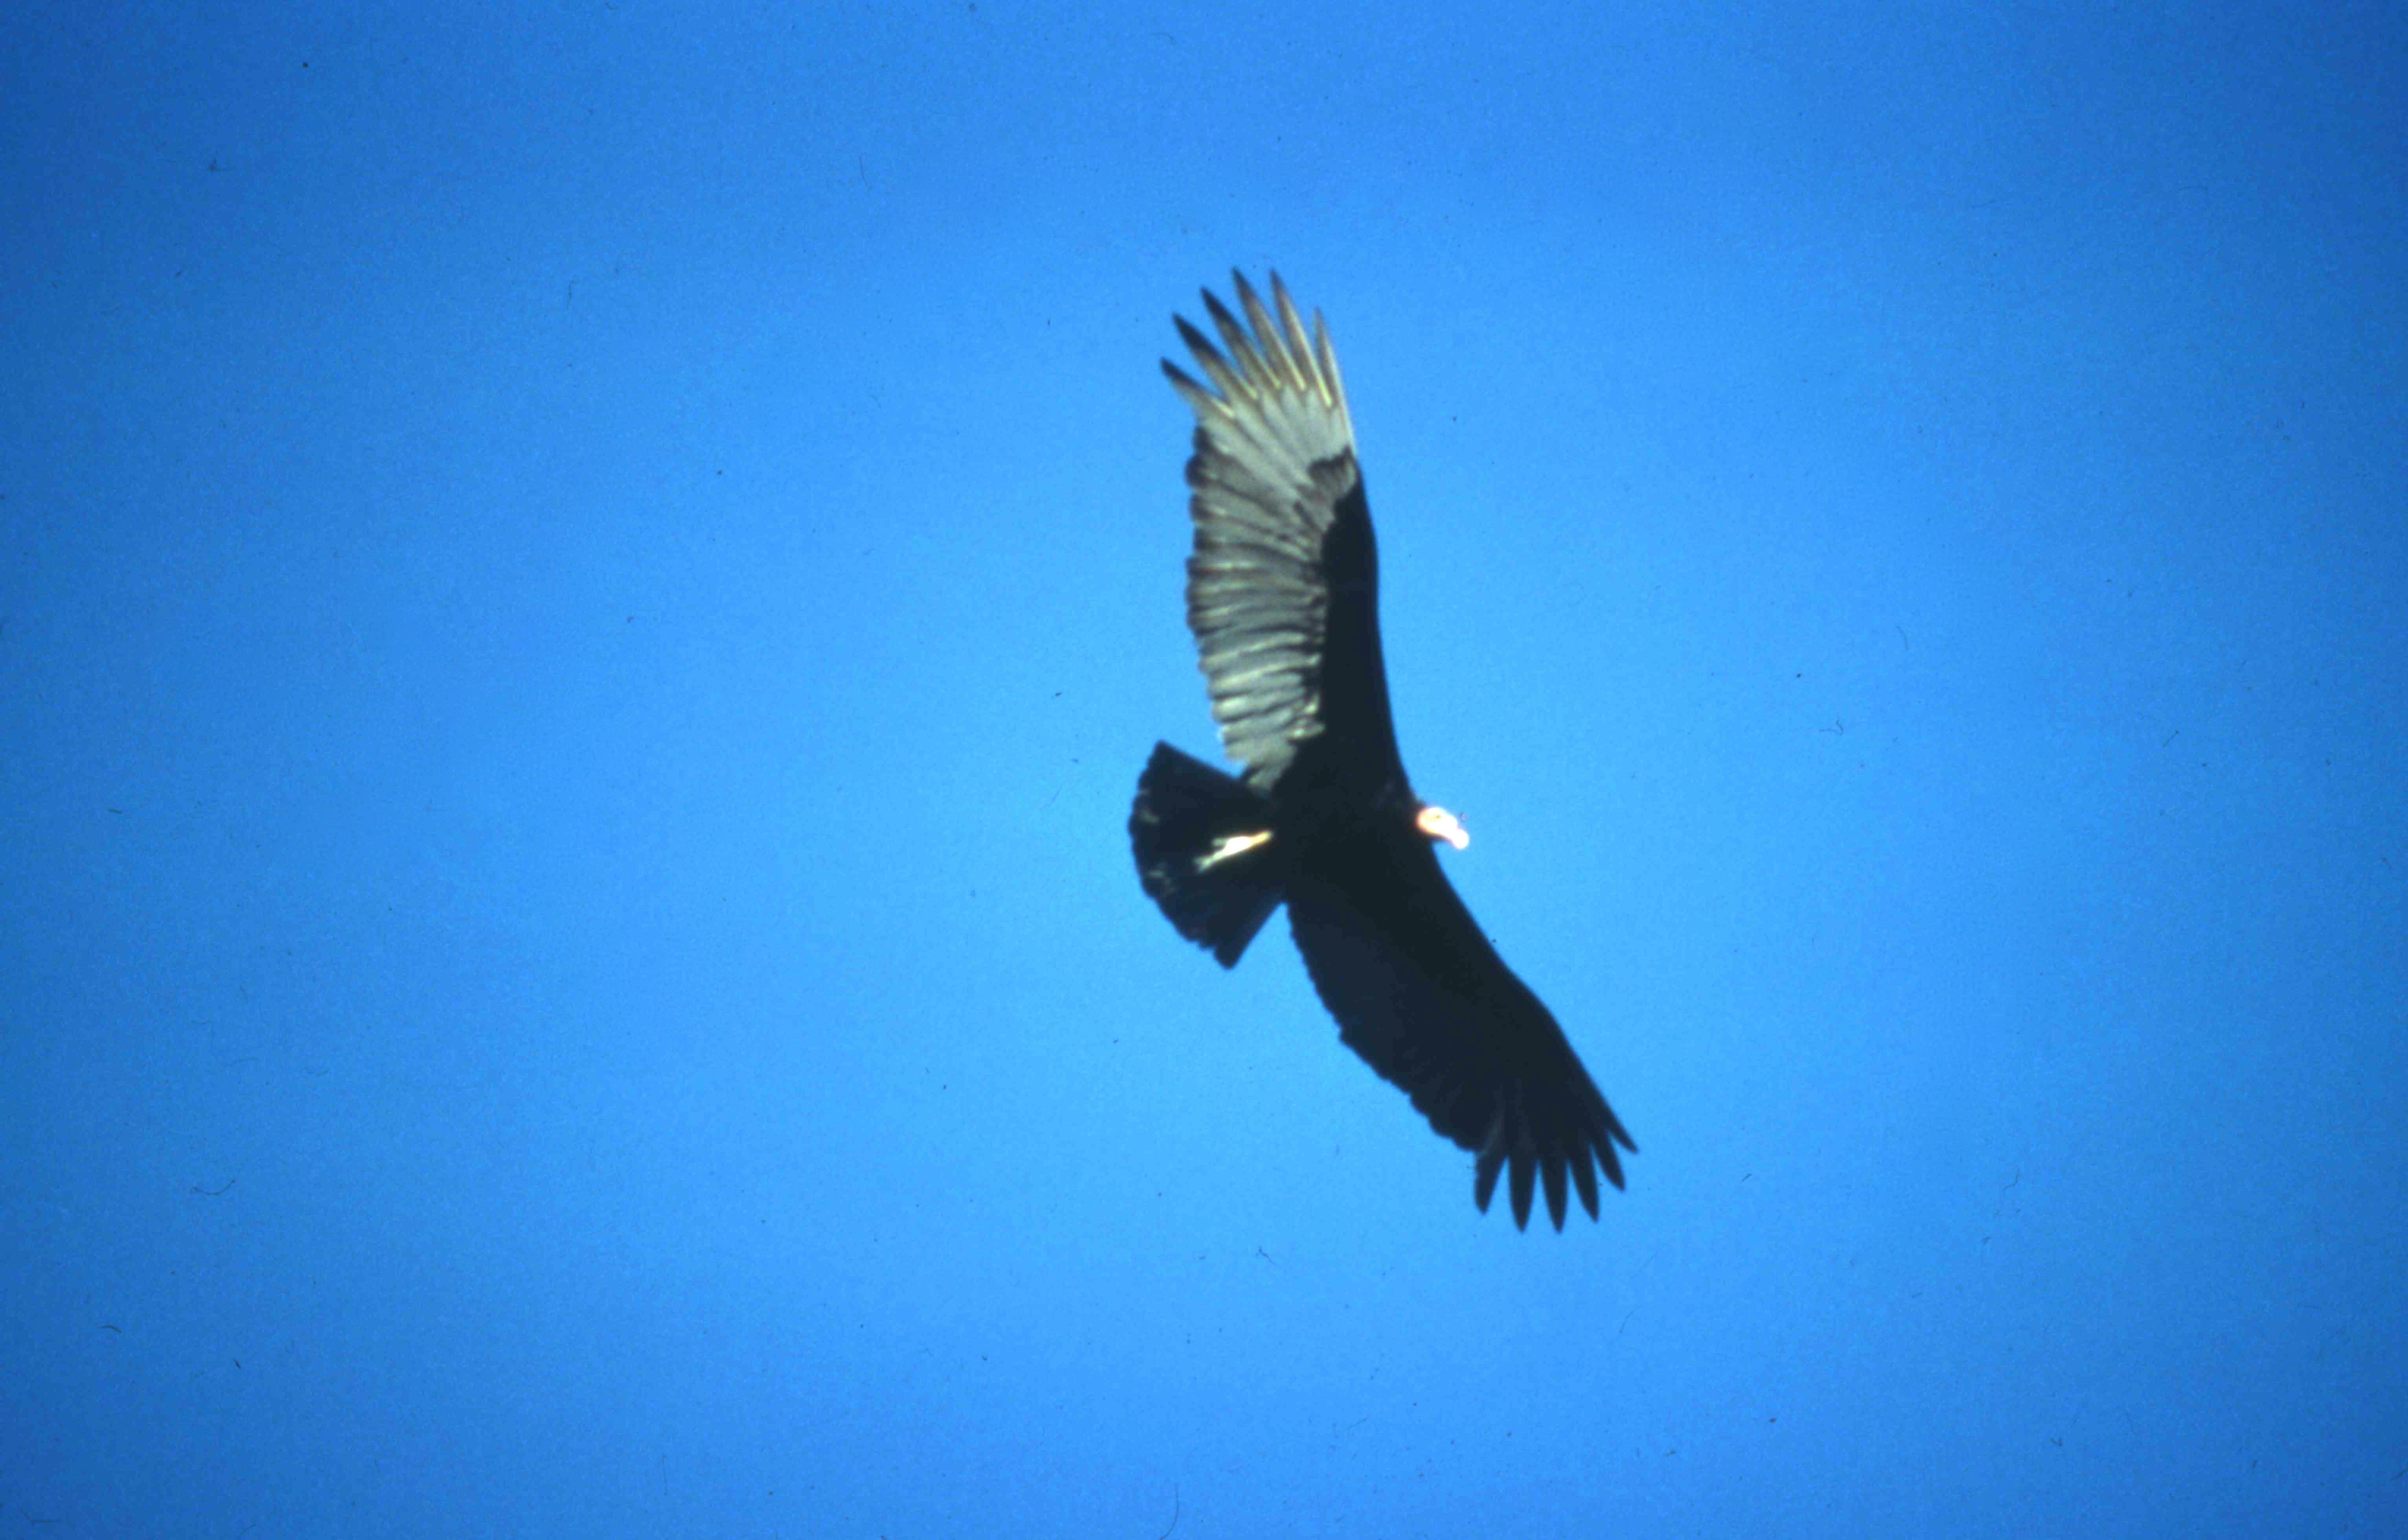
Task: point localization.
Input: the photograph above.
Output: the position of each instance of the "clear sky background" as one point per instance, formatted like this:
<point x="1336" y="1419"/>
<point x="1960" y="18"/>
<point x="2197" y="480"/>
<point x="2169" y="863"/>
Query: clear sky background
<point x="583" y="588"/>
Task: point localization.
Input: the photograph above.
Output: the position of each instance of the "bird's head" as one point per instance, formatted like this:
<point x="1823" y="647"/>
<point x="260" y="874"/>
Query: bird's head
<point x="1437" y="823"/>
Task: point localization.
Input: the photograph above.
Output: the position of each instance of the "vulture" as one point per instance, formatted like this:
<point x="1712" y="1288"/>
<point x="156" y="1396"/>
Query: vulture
<point x="1282" y="598"/>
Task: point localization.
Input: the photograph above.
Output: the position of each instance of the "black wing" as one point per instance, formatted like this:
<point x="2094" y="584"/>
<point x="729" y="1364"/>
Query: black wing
<point x="1424" y="998"/>
<point x="1283" y="587"/>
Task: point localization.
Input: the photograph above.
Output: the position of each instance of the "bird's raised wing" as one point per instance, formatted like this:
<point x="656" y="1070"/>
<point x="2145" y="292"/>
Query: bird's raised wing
<point x="1282" y="586"/>
<point x="1424" y="998"/>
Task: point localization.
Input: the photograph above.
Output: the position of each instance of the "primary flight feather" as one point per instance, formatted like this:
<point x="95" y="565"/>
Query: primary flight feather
<point x="1283" y="596"/>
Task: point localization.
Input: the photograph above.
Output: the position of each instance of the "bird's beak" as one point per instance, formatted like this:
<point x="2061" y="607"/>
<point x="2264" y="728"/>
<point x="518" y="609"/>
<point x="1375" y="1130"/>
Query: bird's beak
<point x="1438" y="823"/>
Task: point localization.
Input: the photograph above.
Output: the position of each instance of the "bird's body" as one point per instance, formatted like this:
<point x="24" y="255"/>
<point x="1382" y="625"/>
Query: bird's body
<point x="1282" y="598"/>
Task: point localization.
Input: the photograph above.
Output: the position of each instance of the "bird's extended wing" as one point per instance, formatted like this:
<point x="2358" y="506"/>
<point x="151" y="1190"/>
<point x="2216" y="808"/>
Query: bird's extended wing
<point x="1424" y="998"/>
<point x="1283" y="583"/>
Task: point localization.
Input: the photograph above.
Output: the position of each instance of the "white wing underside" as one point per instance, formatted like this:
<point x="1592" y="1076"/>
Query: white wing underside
<point x="1274" y="456"/>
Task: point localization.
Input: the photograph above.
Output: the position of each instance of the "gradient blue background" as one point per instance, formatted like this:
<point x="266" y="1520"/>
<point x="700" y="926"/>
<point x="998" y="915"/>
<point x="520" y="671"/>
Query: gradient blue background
<point x="583" y="588"/>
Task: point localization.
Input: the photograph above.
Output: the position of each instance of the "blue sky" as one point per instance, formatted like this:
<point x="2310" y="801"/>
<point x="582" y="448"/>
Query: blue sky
<point x="583" y="588"/>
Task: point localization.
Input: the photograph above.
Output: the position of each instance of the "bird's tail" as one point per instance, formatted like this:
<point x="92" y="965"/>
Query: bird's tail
<point x="1205" y="852"/>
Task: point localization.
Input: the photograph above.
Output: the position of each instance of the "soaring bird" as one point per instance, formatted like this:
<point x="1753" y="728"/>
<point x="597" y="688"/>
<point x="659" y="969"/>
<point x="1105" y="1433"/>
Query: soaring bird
<point x="1283" y="599"/>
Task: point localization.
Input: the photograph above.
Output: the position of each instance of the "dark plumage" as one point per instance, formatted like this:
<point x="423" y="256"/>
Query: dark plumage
<point x="1283" y="596"/>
